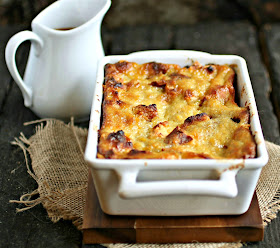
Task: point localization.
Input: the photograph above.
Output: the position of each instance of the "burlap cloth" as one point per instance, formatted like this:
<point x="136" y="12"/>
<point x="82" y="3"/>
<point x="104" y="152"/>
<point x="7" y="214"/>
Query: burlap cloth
<point x="56" y="163"/>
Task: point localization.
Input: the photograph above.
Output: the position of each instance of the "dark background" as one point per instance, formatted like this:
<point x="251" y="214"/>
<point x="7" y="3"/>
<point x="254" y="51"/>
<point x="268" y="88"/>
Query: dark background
<point x="247" y="28"/>
<point x="124" y="12"/>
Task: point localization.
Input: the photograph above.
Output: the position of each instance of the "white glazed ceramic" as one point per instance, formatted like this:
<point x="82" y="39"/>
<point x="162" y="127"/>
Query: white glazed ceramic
<point x="61" y="69"/>
<point x="176" y="187"/>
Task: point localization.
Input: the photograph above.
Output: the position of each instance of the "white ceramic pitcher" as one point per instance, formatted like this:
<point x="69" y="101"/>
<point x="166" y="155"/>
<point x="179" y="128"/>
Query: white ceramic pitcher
<point x="61" y="70"/>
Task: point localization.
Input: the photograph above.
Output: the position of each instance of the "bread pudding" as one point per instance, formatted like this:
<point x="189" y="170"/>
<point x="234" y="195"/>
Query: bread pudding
<point x="165" y="111"/>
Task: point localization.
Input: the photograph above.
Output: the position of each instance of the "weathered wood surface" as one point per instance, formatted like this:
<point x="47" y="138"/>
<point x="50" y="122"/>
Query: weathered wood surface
<point x="271" y="40"/>
<point x="167" y="12"/>
<point x="32" y="228"/>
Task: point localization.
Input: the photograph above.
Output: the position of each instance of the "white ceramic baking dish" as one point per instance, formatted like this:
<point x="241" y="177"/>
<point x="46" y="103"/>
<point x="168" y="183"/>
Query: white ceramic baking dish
<point x="176" y="187"/>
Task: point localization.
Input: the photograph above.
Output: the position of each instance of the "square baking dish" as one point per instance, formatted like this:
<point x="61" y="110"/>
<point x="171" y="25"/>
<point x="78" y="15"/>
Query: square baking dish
<point x="183" y="187"/>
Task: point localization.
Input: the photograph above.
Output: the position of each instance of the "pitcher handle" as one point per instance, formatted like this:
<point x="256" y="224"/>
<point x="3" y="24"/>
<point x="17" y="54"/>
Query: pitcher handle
<point x="10" y="57"/>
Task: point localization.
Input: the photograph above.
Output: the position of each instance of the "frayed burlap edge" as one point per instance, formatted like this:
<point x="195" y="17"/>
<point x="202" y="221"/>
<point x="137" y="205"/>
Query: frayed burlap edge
<point x="269" y="203"/>
<point x="268" y="187"/>
<point x="50" y="200"/>
<point x="179" y="245"/>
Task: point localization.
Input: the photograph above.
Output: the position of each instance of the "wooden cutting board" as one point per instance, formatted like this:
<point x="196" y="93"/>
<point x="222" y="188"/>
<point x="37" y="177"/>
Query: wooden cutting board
<point x="99" y="227"/>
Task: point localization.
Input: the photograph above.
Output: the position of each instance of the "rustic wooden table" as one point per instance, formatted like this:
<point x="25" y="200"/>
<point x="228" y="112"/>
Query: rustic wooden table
<point x="259" y="47"/>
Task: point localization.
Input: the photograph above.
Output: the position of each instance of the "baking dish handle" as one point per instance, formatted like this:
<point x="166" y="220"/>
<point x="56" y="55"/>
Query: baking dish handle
<point x="225" y="186"/>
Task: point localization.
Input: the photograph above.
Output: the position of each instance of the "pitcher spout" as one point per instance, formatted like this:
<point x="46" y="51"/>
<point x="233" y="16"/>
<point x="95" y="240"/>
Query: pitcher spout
<point x="86" y="10"/>
<point x="71" y="13"/>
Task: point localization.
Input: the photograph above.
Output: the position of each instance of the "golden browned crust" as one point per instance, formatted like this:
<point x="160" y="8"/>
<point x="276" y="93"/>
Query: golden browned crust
<point x="242" y="144"/>
<point x="147" y="112"/>
<point x="164" y="111"/>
